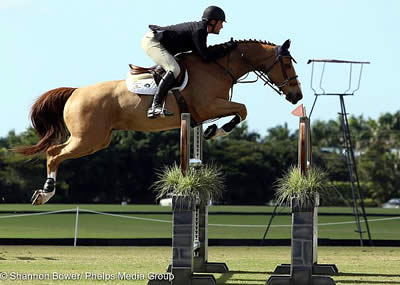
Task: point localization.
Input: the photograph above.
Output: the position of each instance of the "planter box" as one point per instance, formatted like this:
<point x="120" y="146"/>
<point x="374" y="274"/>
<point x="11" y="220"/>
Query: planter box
<point x="183" y="209"/>
<point x="303" y="248"/>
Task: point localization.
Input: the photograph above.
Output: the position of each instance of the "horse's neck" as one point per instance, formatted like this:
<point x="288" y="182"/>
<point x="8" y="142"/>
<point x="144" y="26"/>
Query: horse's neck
<point x="245" y="58"/>
<point x="249" y="55"/>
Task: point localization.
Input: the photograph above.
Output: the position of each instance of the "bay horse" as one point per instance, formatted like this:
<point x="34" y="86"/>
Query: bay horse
<point x="74" y="122"/>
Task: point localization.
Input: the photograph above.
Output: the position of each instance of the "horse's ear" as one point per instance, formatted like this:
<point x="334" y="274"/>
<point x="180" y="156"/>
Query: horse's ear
<point x="286" y="45"/>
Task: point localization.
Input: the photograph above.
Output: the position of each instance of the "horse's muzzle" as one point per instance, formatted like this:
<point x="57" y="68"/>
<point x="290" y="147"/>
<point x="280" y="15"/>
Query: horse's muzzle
<point x="294" y="97"/>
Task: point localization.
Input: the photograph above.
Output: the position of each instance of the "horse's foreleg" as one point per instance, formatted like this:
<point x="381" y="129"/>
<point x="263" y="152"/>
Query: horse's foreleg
<point x="229" y="107"/>
<point x="213" y="131"/>
<point x="228" y="127"/>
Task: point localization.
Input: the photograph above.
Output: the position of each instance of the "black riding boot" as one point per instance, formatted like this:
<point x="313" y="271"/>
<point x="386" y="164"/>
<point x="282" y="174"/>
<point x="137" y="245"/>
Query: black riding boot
<point x="156" y="108"/>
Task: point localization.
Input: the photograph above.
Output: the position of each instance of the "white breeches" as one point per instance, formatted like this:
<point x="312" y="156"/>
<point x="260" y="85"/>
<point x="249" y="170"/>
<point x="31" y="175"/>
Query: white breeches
<point x="159" y="54"/>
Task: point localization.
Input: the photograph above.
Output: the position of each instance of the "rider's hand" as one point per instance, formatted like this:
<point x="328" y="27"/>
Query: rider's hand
<point x="229" y="46"/>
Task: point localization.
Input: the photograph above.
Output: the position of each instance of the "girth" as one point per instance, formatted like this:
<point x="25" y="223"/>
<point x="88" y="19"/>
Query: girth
<point x="183" y="108"/>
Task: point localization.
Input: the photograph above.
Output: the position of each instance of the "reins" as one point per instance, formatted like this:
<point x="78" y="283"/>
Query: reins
<point x="227" y="71"/>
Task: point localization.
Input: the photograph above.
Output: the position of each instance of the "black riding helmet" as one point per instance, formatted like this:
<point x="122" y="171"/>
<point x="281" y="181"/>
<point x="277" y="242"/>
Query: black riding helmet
<point x="213" y="13"/>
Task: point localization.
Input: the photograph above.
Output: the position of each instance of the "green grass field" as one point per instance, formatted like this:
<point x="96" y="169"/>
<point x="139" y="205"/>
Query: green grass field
<point x="221" y="226"/>
<point x="247" y="265"/>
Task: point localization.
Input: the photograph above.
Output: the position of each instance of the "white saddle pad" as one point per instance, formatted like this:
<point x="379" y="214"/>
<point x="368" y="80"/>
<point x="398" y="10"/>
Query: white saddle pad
<point x="144" y="84"/>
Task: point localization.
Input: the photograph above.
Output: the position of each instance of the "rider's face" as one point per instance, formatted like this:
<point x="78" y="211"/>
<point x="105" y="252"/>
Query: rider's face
<point x="218" y="26"/>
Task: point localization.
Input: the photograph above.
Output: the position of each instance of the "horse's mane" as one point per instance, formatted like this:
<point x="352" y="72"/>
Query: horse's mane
<point x="215" y="47"/>
<point x="249" y="41"/>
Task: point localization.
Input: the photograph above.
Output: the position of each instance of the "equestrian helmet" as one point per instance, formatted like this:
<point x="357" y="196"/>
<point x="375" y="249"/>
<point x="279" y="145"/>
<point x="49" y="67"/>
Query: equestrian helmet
<point x="213" y="13"/>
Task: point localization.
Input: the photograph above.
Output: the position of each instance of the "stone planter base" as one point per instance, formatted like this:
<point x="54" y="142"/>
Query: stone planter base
<point x="211" y="267"/>
<point x="208" y="267"/>
<point x="287" y="280"/>
<point x="200" y="253"/>
<point x="317" y="269"/>
<point x="182" y="267"/>
<point x="304" y="269"/>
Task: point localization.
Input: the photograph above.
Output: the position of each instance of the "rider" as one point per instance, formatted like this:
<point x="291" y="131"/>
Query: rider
<point x="162" y="43"/>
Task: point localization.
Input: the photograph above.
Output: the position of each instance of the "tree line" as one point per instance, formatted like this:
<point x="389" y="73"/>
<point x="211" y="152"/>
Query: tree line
<point x="250" y="162"/>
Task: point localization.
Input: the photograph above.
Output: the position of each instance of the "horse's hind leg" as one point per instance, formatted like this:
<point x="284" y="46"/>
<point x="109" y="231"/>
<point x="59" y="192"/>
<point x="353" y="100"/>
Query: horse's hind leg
<point x="74" y="147"/>
<point x="40" y="197"/>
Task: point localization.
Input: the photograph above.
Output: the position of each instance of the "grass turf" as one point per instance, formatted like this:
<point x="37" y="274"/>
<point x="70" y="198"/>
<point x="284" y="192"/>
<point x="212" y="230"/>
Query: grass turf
<point x="247" y="265"/>
<point x="99" y="226"/>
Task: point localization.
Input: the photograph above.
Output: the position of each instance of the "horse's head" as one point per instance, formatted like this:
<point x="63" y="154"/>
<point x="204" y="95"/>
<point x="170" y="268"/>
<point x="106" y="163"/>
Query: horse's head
<point x="282" y="75"/>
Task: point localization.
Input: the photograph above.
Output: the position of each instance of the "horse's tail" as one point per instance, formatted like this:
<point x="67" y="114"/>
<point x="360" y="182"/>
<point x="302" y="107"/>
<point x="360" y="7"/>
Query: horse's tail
<point x="48" y="120"/>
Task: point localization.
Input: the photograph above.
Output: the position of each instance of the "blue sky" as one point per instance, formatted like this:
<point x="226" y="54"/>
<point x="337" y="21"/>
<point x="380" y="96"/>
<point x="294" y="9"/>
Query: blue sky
<point x="52" y="43"/>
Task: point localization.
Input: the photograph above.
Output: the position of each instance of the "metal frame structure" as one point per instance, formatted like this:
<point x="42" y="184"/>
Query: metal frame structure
<point x="304" y="268"/>
<point x="190" y="223"/>
<point x="357" y="193"/>
<point x="200" y="239"/>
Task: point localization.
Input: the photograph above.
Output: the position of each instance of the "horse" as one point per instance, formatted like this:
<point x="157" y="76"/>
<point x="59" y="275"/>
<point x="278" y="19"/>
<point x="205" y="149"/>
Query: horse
<point x="74" y="122"/>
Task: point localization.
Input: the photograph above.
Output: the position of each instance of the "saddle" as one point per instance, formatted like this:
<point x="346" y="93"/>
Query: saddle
<point x="158" y="72"/>
<point x="144" y="81"/>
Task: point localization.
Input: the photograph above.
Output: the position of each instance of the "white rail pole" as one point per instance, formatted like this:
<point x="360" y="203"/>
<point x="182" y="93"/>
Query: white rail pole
<point x="76" y="225"/>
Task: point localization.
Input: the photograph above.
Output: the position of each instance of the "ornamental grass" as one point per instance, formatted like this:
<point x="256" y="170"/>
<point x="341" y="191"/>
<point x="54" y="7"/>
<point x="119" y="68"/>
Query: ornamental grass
<point x="204" y="182"/>
<point x="303" y="187"/>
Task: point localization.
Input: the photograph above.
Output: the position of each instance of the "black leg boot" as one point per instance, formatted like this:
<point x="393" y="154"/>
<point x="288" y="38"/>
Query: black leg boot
<point x="156" y="109"/>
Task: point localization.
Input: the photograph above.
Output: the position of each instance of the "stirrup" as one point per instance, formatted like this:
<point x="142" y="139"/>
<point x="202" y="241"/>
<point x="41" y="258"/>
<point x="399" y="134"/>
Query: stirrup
<point x="152" y="114"/>
<point x="158" y="111"/>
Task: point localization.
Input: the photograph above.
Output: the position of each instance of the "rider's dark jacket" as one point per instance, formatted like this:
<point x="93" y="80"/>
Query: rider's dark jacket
<point x="190" y="36"/>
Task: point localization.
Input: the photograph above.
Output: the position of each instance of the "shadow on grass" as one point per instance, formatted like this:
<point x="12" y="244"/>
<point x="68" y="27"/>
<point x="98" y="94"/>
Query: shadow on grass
<point x="25" y="258"/>
<point x="228" y="277"/>
<point x="345" y="274"/>
<point x="224" y="278"/>
<point x="365" y="282"/>
<point x="368" y="274"/>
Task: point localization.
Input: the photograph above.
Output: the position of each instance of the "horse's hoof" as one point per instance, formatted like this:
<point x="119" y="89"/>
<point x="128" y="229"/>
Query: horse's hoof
<point x="37" y="198"/>
<point x="210" y="132"/>
<point x="41" y="196"/>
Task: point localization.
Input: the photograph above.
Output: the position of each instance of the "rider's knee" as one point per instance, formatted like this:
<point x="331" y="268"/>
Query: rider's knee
<point x="147" y="41"/>
<point x="175" y="69"/>
<point x="243" y="113"/>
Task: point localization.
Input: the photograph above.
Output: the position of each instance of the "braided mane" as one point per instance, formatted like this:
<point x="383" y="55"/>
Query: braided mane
<point x="249" y="41"/>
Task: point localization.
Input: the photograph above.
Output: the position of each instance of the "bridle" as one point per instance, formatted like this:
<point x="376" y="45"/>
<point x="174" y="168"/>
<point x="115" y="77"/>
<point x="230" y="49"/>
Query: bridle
<point x="263" y="75"/>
